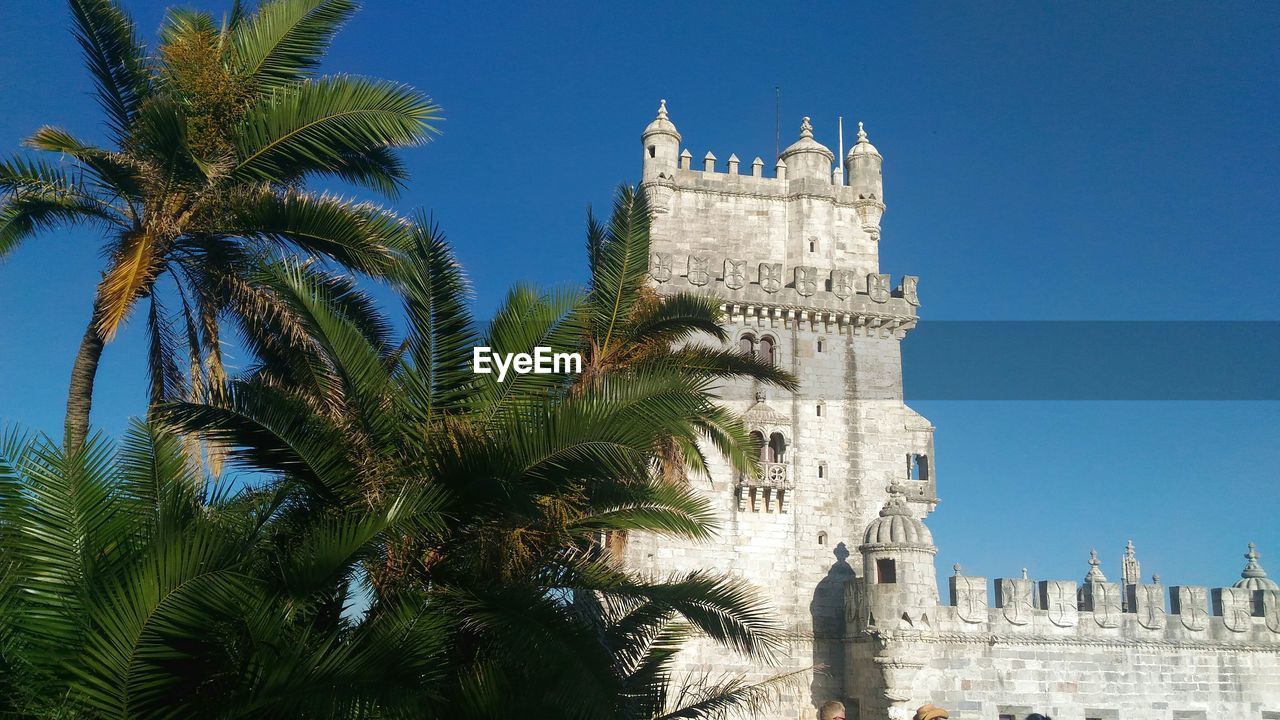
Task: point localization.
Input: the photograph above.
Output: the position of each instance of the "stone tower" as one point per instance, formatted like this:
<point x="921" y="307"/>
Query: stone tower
<point x="794" y="259"/>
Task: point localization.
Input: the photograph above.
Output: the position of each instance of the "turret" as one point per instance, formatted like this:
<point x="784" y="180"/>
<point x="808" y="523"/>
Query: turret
<point x="661" y="146"/>
<point x="863" y="166"/>
<point x="897" y="560"/>
<point x="806" y="157"/>
<point x="1253" y="577"/>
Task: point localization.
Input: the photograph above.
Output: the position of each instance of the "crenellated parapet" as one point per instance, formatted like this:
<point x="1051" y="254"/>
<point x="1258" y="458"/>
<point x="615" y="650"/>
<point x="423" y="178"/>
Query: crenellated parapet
<point x="1097" y="610"/>
<point x="803" y="293"/>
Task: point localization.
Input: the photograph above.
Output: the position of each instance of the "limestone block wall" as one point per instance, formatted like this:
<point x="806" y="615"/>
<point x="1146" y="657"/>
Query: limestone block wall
<point x="1072" y="653"/>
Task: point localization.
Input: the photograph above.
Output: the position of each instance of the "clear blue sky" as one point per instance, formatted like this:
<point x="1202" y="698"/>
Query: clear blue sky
<point x="1042" y="161"/>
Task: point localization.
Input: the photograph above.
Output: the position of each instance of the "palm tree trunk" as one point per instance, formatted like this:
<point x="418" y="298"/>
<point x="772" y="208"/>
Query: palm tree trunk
<point x="80" y="393"/>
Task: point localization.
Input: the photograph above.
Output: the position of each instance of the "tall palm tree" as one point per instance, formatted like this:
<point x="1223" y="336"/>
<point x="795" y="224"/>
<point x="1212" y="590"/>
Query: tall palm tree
<point x="214" y="136"/>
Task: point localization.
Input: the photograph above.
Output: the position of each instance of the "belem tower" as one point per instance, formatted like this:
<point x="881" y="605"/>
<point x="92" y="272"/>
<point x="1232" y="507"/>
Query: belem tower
<point x="833" y="528"/>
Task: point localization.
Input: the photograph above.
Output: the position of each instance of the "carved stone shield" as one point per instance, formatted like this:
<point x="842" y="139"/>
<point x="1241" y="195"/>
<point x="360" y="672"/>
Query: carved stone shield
<point x="878" y="287"/>
<point x="1149" y="601"/>
<point x="842" y="283"/>
<point x="1192" y="607"/>
<point x="1015" y="600"/>
<point x="1271" y="609"/>
<point x="969" y="596"/>
<point x="735" y="274"/>
<point x="1236" y="607"/>
<point x="1104" y="601"/>
<point x="910" y="284"/>
<point x="660" y="266"/>
<point x="771" y="277"/>
<point x="1059" y="597"/>
<point x="699" y="272"/>
<point x="806" y="280"/>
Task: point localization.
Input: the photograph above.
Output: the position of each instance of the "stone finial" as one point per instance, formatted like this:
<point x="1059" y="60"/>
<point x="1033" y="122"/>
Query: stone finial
<point x="1025" y="576"/>
<point x="780" y="170"/>
<point x="662" y="110"/>
<point x="686" y="159"/>
<point x="862" y="133"/>
<point x="709" y="162"/>
<point x="806" y="128"/>
<point x="1155" y="579"/>
<point x="956" y="569"/>
<point x="1253" y="577"/>
<point x="761" y="396"/>
<point x="1095" y="569"/>
<point x="733" y="163"/>
<point x="757" y="167"/>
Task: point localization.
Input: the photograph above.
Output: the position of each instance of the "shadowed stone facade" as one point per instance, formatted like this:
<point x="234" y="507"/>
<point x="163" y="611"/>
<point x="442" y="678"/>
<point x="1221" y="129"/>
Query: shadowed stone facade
<point x="832" y="528"/>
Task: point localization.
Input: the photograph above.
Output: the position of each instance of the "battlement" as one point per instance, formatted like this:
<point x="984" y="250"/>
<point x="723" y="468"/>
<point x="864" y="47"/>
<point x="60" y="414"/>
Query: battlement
<point x="805" y="293"/>
<point x="1094" y="611"/>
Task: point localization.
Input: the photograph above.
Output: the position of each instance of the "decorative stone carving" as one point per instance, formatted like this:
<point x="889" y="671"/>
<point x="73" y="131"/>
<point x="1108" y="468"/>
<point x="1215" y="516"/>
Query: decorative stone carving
<point x="660" y="266"/>
<point x="1271" y="609"/>
<point x="1059" y="598"/>
<point x="969" y="597"/>
<point x="842" y="283"/>
<point x="910" y="286"/>
<point x="699" y="272"/>
<point x="1190" y="604"/>
<point x="806" y="279"/>
<point x="771" y="277"/>
<point x="735" y="274"/>
<point x="1103" y="599"/>
<point x="1014" y="597"/>
<point x="1147" y="602"/>
<point x="878" y="287"/>
<point x="1235" y="605"/>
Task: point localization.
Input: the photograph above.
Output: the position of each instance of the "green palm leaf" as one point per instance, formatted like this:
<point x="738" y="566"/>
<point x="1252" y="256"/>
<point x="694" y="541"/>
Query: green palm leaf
<point x="115" y="58"/>
<point x="283" y="41"/>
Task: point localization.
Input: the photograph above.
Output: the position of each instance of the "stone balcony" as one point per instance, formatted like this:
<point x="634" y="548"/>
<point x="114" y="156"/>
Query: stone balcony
<point x="771" y="475"/>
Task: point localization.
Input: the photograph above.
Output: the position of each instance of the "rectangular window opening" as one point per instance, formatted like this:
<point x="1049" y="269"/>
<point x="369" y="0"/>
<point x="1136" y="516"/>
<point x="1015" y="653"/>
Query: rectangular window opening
<point x="886" y="571"/>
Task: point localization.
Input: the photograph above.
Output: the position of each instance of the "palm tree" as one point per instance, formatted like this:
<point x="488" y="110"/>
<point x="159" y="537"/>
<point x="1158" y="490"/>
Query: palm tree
<point x="532" y="470"/>
<point x="132" y="588"/>
<point x="214" y="135"/>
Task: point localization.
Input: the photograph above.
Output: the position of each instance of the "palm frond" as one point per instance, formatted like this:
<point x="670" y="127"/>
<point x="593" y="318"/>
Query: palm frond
<point x="282" y="42"/>
<point x="621" y="257"/>
<point x="318" y="126"/>
<point x="114" y="56"/>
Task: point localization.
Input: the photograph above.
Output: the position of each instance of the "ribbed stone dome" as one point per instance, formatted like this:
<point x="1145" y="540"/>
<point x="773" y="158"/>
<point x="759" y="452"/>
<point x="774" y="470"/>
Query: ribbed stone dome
<point x="805" y="145"/>
<point x="897" y="525"/>
<point x="661" y="124"/>
<point x="1253" y="577"/>
<point x="863" y="146"/>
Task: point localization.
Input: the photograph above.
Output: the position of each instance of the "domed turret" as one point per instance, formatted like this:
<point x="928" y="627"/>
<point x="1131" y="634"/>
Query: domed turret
<point x="808" y="158"/>
<point x="897" y="525"/>
<point x="1253" y="577"/>
<point x="897" y="565"/>
<point x="661" y="143"/>
<point x="864" y="168"/>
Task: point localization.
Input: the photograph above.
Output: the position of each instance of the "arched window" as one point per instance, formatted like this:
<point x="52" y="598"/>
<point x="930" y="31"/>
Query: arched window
<point x="821" y="344"/>
<point x="747" y="345"/>
<point x="812" y="246"/>
<point x="777" y="448"/>
<point x="765" y="353"/>
<point x="757" y="439"/>
<point x="822" y="538"/>
<point x="822" y="470"/>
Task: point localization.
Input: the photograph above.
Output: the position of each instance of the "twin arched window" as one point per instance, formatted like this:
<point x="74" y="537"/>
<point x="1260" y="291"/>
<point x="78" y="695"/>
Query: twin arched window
<point x="763" y="348"/>
<point x="773" y="451"/>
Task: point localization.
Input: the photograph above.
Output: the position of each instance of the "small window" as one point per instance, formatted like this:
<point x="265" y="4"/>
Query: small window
<point x="822" y="470"/>
<point x="886" y="571"/>
<point x="747" y="345"/>
<point x="812" y="246"/>
<point x="821" y="344"/>
<point x="765" y="352"/>
<point x="819" y="409"/>
<point x="822" y="538"/>
<point x="917" y="466"/>
<point x="653" y="151"/>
